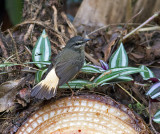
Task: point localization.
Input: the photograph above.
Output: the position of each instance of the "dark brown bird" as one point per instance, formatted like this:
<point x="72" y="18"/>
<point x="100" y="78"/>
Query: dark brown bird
<point x="67" y="64"/>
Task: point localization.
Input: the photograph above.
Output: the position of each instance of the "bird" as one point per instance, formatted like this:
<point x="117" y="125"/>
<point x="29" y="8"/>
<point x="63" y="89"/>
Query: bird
<point x="62" y="69"/>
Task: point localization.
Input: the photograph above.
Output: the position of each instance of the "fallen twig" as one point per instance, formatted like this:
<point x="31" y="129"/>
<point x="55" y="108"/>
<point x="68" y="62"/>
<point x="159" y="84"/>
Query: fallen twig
<point x="150" y="119"/>
<point x="140" y="96"/>
<point x="122" y="24"/>
<point x="143" y="24"/>
<point x="55" y="18"/>
<point x="3" y="49"/>
<point x="32" y="25"/>
<point x="60" y="38"/>
<point x="69" y="23"/>
<point x="129" y="94"/>
<point x="15" y="46"/>
<point x="149" y="29"/>
<point x="40" y="23"/>
<point x="95" y="62"/>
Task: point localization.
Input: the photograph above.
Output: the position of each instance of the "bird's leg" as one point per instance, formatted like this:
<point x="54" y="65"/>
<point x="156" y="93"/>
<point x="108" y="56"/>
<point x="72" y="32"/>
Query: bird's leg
<point x="70" y="89"/>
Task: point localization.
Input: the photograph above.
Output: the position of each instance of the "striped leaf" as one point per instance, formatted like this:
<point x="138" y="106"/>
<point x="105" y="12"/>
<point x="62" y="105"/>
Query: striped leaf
<point x="39" y="62"/>
<point x="119" y="58"/>
<point x="90" y="69"/>
<point x="156" y="117"/>
<point x="75" y="84"/>
<point x="39" y="75"/>
<point x="115" y="73"/>
<point x="148" y="74"/>
<point x="8" y="64"/>
<point x="122" y="79"/>
<point x="154" y="90"/>
<point x="118" y="80"/>
<point x="42" y="50"/>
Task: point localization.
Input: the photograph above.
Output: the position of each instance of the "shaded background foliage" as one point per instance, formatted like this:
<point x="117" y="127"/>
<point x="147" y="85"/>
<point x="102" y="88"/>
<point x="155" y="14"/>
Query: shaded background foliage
<point x="11" y="11"/>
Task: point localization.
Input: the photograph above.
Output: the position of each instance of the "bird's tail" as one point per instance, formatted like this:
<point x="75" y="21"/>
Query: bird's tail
<point x="47" y="87"/>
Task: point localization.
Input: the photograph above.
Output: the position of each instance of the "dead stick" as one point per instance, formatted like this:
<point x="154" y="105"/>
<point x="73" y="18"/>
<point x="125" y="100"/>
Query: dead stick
<point x="150" y="118"/>
<point x="32" y="25"/>
<point x="60" y="40"/>
<point x="55" y="18"/>
<point x="92" y="59"/>
<point x="129" y="94"/>
<point x="43" y="24"/>
<point x="17" y="56"/>
<point x="143" y="24"/>
<point x="104" y="27"/>
<point x="69" y="23"/>
<point x="135" y="90"/>
<point x="70" y="89"/>
<point x="3" y="49"/>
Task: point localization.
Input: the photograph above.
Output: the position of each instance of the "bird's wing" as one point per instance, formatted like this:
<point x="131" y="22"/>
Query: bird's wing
<point x="68" y="69"/>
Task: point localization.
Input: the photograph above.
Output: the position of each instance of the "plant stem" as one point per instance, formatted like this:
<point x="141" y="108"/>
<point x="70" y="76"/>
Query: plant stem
<point x="144" y="23"/>
<point x="129" y="94"/>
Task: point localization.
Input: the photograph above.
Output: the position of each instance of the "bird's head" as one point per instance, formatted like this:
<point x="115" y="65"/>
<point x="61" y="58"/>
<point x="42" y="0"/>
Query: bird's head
<point x="76" y="42"/>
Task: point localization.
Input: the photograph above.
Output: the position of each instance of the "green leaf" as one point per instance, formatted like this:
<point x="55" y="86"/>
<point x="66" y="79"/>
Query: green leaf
<point x="154" y="90"/>
<point x="90" y="69"/>
<point x="148" y="74"/>
<point x="75" y="84"/>
<point x="119" y="58"/>
<point x="39" y="62"/>
<point x="1" y="73"/>
<point x="115" y="73"/>
<point x="42" y="50"/>
<point x="156" y="117"/>
<point x="39" y="75"/>
<point x="8" y="64"/>
<point x="118" y="80"/>
<point x="14" y="9"/>
<point x="122" y="79"/>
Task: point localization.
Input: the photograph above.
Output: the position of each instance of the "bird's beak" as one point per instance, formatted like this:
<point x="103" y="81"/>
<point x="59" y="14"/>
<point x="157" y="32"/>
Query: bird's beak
<point x="86" y="40"/>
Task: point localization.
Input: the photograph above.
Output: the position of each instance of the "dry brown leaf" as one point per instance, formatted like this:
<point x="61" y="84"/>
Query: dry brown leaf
<point x="137" y="56"/>
<point x="8" y="93"/>
<point x="7" y="86"/>
<point x="6" y="102"/>
<point x="107" y="49"/>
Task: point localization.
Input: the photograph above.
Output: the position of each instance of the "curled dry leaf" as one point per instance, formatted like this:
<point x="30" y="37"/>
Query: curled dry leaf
<point x="107" y="49"/>
<point x="137" y="56"/>
<point x="85" y="114"/>
<point x="7" y="94"/>
<point x="6" y="102"/>
<point x="7" y="86"/>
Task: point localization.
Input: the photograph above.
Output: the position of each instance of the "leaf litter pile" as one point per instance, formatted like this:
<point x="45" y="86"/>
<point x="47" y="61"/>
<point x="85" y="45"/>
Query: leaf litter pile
<point x="17" y="73"/>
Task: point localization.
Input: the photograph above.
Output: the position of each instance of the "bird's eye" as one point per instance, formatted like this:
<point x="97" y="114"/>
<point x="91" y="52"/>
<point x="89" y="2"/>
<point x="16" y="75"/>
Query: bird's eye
<point x="78" y="43"/>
